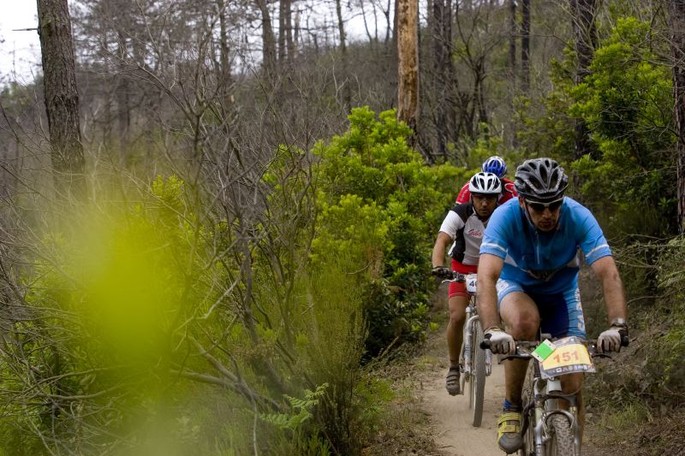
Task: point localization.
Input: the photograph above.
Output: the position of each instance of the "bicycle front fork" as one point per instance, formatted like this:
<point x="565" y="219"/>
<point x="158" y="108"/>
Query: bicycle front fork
<point x="467" y="350"/>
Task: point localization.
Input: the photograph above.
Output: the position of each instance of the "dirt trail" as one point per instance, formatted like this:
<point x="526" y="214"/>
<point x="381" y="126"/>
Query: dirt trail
<point x="451" y="416"/>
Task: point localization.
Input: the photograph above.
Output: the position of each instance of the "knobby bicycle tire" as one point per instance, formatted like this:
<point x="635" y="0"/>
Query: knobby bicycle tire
<point x="561" y="442"/>
<point x="477" y="384"/>
<point x="528" y="448"/>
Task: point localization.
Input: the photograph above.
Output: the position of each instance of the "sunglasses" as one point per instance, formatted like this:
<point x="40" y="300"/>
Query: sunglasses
<point x="540" y="207"/>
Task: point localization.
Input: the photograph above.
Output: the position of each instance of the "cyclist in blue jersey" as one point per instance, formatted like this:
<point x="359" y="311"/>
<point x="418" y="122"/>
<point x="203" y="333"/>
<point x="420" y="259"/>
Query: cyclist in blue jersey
<point x="528" y="279"/>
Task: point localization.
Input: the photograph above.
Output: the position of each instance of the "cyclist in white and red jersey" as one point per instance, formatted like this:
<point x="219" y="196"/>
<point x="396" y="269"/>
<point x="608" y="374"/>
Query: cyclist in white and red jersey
<point x="497" y="166"/>
<point x="463" y="228"/>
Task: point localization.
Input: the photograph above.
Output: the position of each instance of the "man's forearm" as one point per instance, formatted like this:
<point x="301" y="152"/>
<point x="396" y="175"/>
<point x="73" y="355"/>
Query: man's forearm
<point x="612" y="286"/>
<point x="489" y="268"/>
<point x="487" y="304"/>
<point x="614" y="298"/>
<point x="438" y="255"/>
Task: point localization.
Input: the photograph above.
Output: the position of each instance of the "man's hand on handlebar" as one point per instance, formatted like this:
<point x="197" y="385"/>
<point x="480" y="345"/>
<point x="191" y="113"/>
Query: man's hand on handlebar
<point x="442" y="272"/>
<point x="501" y="342"/>
<point x="612" y="339"/>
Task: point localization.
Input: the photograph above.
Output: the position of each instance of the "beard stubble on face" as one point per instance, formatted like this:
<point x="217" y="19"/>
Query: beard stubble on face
<point x="546" y="221"/>
<point x="484" y="212"/>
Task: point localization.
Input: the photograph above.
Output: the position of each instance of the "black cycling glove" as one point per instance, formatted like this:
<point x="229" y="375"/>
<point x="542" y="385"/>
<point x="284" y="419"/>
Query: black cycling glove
<point x="442" y="272"/>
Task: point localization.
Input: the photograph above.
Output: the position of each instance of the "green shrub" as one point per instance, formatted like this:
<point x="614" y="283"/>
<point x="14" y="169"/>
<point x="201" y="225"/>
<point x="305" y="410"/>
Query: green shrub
<point x="379" y="208"/>
<point x="626" y="103"/>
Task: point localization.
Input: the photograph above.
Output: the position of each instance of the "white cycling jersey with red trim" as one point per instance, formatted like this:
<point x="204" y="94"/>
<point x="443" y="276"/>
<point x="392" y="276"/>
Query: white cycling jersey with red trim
<point x="466" y="230"/>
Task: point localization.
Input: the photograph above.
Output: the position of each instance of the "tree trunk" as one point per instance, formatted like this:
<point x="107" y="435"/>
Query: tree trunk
<point x="61" y="98"/>
<point x="583" y="17"/>
<point x="346" y="92"/>
<point x="268" y="39"/>
<point x="513" y="35"/>
<point x="525" y="46"/>
<point x="678" y="46"/>
<point x="285" y="26"/>
<point x="441" y="27"/>
<point x="408" y="63"/>
<point x="123" y="102"/>
<point x="226" y="78"/>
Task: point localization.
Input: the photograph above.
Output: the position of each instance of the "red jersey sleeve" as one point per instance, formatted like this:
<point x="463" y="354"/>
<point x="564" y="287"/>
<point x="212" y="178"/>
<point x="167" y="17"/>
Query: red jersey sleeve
<point x="464" y="195"/>
<point x="509" y="190"/>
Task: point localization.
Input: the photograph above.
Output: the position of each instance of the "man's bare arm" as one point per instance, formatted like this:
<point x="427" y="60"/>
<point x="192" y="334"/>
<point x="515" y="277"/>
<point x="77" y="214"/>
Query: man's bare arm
<point x="489" y="268"/>
<point x="612" y="286"/>
<point x="441" y="243"/>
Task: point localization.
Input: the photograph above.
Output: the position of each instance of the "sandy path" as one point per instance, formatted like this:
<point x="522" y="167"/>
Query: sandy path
<point x="451" y="415"/>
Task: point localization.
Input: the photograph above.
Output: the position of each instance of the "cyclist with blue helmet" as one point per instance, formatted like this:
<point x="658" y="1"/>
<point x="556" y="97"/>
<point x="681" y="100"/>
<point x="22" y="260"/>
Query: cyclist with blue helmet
<point x="528" y="280"/>
<point x="497" y="166"/>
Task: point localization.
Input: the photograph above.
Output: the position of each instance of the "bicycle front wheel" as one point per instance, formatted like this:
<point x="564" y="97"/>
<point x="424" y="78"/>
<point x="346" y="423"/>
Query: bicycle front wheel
<point x="528" y="448"/>
<point x="561" y="441"/>
<point x="477" y="383"/>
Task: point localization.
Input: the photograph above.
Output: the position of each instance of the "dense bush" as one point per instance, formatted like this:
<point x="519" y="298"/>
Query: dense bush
<point x="626" y="102"/>
<point x="380" y="207"/>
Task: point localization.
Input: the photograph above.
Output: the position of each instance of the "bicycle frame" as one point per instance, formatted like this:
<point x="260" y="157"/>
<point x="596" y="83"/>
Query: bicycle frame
<point x="467" y="350"/>
<point x="547" y="429"/>
<point x="475" y="365"/>
<point x="544" y="401"/>
<point x="551" y="437"/>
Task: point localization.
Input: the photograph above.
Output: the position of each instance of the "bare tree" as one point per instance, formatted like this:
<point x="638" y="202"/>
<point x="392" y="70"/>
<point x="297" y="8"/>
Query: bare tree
<point x="268" y="38"/>
<point x="61" y="98"/>
<point x="346" y="92"/>
<point x="513" y="34"/>
<point x="583" y="17"/>
<point x="677" y="13"/>
<point x="443" y="71"/>
<point x="285" y="30"/>
<point x="408" y="62"/>
<point x="512" y="41"/>
<point x="226" y="79"/>
<point x="477" y="38"/>
<point x="525" y="46"/>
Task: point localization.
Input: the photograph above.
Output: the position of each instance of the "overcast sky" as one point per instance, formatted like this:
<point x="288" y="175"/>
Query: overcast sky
<point x="19" y="50"/>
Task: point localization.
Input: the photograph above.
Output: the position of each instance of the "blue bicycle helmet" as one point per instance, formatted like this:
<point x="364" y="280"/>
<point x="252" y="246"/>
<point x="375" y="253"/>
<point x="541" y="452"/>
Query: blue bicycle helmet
<point x="495" y="165"/>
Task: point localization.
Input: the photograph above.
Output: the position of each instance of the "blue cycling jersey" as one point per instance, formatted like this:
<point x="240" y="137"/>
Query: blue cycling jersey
<point x="539" y="261"/>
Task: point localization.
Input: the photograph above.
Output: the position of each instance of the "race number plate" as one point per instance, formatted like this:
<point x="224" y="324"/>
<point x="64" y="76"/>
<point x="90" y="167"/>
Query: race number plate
<point x="471" y="280"/>
<point x="569" y="355"/>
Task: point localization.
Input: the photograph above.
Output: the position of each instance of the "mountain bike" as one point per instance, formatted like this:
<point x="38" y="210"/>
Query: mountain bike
<point x="547" y="429"/>
<point x="475" y="364"/>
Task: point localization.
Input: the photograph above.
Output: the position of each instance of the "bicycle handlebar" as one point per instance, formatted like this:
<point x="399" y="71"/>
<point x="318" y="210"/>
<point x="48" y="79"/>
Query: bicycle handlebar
<point x="452" y="276"/>
<point x="525" y="347"/>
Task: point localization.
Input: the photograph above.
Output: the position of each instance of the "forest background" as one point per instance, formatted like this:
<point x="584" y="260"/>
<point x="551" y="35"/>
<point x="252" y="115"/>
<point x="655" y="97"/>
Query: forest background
<point x="221" y="249"/>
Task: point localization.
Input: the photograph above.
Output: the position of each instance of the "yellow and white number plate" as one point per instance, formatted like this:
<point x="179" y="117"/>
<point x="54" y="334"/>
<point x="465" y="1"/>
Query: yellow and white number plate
<point x="568" y="355"/>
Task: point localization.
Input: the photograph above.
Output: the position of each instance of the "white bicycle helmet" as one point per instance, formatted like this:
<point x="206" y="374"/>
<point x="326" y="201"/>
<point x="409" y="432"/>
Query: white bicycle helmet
<point x="485" y="184"/>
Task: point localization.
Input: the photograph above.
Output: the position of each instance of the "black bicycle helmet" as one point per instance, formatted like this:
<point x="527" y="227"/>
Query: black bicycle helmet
<point x="541" y="180"/>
